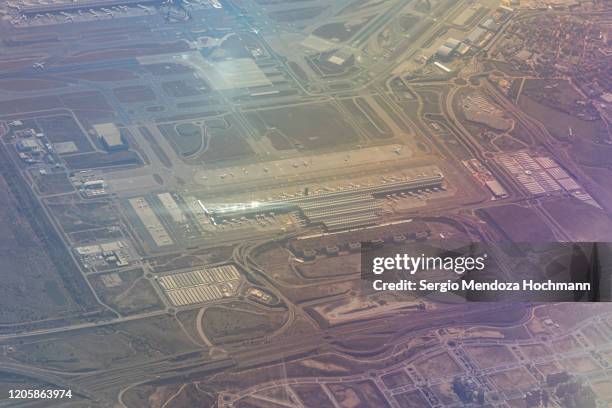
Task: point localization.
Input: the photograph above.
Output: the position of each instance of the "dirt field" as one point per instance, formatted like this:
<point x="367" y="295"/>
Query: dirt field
<point x="565" y="344"/>
<point x="91" y="100"/>
<point x="23" y="105"/>
<point x="75" y="216"/>
<point x="558" y="122"/>
<point x="169" y="68"/>
<point x="396" y="379"/>
<point x="312" y="126"/>
<point x="520" y="224"/>
<point x="131" y="51"/>
<point x="532" y="351"/>
<point x="299" y="71"/>
<point x="226" y="142"/>
<point x="341" y="31"/>
<point x="359" y="394"/>
<point x="411" y="399"/>
<point x="439" y="365"/>
<point x="114" y="345"/>
<point x="312" y="395"/>
<point x="590" y="153"/>
<point x="275" y="261"/>
<point x="25" y="85"/>
<point x="150" y="396"/>
<point x="518" y="378"/>
<point x="445" y="393"/>
<point x="31" y="289"/>
<point x="490" y="356"/>
<point x="331" y="267"/>
<point x="234" y="47"/>
<point x="106" y="75"/>
<point x="549" y="368"/>
<point x="100" y="160"/>
<point x="382" y="132"/>
<point x="581" y="365"/>
<point x="305" y="13"/>
<point x="86" y="237"/>
<point x="186" y="138"/>
<point x="568" y="315"/>
<point x="279" y="141"/>
<point x="280" y="394"/>
<point x="134" y="94"/>
<point x="182" y="88"/>
<point x="55" y="183"/>
<point x="16" y="63"/>
<point x="559" y="94"/>
<point x="64" y="129"/>
<point x="327" y="365"/>
<point x="602" y="389"/>
<point x="133" y="295"/>
<point x="227" y="324"/>
<point x="586" y="222"/>
<point x="595" y="335"/>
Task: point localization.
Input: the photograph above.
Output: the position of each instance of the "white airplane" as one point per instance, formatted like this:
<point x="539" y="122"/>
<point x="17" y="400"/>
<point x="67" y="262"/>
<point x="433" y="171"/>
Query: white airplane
<point x="40" y="65"/>
<point x="68" y="17"/>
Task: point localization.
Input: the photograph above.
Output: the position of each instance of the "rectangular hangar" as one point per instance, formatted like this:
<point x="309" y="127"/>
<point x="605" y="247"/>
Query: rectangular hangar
<point x="334" y="210"/>
<point x="110" y="136"/>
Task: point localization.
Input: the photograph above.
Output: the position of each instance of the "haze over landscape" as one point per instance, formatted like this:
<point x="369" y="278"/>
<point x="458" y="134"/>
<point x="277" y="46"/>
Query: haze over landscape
<point x="189" y="191"/>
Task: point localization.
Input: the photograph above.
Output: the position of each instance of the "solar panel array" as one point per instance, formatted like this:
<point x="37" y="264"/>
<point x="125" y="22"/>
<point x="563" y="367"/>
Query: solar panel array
<point x="202" y="285"/>
<point x="542" y="175"/>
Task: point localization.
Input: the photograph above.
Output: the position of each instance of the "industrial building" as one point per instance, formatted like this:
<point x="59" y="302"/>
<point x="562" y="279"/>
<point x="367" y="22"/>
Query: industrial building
<point x="30" y="146"/>
<point x="496" y="189"/>
<point x="446" y="50"/>
<point x="478" y="36"/>
<point x="114" y="253"/>
<point x="341" y="57"/>
<point x="463" y="49"/>
<point x="336" y="210"/>
<point x="111" y="137"/>
<point x="491" y="25"/>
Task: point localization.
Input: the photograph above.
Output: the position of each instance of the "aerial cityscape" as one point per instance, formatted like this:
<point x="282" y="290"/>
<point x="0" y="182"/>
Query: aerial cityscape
<point x="192" y="190"/>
